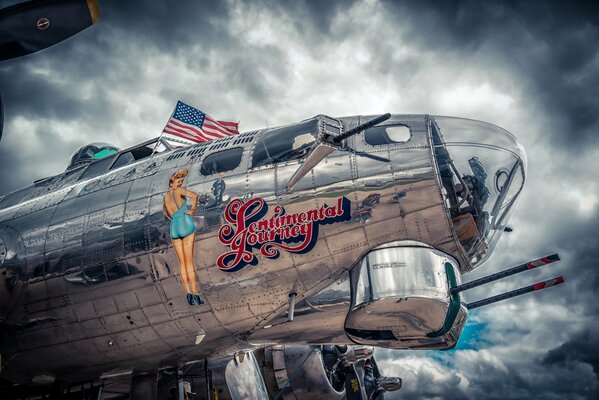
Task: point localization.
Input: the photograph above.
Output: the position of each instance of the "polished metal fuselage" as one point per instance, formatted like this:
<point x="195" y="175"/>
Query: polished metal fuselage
<point x="91" y="283"/>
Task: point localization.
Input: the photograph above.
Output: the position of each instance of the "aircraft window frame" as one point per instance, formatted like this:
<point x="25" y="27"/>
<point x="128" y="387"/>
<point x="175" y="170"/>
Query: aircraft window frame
<point x="139" y="152"/>
<point x="116" y="164"/>
<point x="378" y="135"/>
<point x="283" y="146"/>
<point x="97" y="168"/>
<point x="238" y="157"/>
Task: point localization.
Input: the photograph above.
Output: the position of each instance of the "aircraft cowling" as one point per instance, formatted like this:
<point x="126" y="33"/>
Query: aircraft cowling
<point x="300" y="372"/>
<point x="281" y="372"/>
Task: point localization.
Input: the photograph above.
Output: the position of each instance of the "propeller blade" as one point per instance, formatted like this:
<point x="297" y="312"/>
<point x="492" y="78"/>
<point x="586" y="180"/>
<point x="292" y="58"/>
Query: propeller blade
<point x="353" y="385"/>
<point x="31" y="26"/>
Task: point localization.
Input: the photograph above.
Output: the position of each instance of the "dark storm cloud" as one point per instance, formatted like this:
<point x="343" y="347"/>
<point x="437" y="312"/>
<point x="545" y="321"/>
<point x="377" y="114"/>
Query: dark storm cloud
<point x="23" y="162"/>
<point x="9" y="180"/>
<point x="170" y="25"/>
<point x="311" y="17"/>
<point x="581" y="348"/>
<point x="91" y="55"/>
<point x="555" y="321"/>
<point x="114" y="54"/>
<point x="550" y="46"/>
<point x="37" y="95"/>
<point x="554" y="219"/>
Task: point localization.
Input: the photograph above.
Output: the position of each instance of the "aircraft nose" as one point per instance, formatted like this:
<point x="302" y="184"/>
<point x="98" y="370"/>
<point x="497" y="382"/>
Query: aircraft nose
<point x="482" y="169"/>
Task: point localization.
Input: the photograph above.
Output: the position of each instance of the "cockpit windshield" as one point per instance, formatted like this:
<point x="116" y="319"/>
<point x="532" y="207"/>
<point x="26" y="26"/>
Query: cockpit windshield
<point x="482" y="169"/>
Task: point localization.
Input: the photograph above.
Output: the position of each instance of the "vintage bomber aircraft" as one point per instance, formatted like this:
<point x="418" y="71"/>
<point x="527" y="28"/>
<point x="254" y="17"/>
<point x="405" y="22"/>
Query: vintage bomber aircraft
<point x="330" y="231"/>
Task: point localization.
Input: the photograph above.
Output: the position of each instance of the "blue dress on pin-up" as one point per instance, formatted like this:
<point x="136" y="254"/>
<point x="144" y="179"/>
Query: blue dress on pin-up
<point x="182" y="224"/>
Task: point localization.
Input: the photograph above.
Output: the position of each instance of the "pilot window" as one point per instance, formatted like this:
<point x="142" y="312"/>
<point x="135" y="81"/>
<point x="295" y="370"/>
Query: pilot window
<point x="124" y="159"/>
<point x="285" y="144"/>
<point x="222" y="161"/>
<point x="96" y="168"/>
<point x="387" y="135"/>
<point x="133" y="155"/>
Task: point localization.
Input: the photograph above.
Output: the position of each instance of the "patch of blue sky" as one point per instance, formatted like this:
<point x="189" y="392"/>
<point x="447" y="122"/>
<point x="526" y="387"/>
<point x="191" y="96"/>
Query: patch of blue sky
<point x="474" y="335"/>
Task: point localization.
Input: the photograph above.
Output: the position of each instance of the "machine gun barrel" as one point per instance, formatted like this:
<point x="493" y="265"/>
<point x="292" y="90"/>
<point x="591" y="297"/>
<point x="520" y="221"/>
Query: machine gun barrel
<point x="517" y="292"/>
<point x="539" y="262"/>
<point x="361" y="127"/>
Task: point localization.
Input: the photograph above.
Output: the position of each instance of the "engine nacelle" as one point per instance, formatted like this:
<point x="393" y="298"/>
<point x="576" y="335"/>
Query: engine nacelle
<point x="300" y="372"/>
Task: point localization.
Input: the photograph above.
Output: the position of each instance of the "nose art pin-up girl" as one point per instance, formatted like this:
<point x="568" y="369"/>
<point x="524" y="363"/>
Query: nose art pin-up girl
<point x="183" y="230"/>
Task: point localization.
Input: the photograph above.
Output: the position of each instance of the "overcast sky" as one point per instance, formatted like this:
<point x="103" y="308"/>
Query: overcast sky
<point x="531" y="67"/>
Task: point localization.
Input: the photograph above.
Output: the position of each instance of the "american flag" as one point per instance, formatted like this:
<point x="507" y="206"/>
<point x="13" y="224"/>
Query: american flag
<point x="190" y="125"/>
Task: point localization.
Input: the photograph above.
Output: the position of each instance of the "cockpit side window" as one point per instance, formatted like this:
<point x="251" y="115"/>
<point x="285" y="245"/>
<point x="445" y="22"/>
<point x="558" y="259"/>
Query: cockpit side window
<point x="97" y="168"/>
<point x="285" y="144"/>
<point x="138" y="153"/>
<point x="392" y="134"/>
<point x="222" y="161"/>
<point x="124" y="159"/>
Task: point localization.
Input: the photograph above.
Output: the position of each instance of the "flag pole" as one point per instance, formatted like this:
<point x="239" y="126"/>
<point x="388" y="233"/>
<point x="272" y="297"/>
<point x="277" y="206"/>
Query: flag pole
<point x="162" y="133"/>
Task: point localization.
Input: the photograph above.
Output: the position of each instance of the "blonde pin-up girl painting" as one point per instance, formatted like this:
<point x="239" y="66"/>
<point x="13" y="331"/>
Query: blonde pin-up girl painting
<point x="182" y="230"/>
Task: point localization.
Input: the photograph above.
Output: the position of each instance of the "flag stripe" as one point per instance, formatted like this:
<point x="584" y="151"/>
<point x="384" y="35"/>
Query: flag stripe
<point x="190" y="134"/>
<point x="228" y="123"/>
<point x="210" y="123"/>
<point x="233" y="129"/>
<point x="202" y="132"/>
<point x="215" y="130"/>
<point x="218" y="129"/>
<point x="191" y="130"/>
<point x="187" y="134"/>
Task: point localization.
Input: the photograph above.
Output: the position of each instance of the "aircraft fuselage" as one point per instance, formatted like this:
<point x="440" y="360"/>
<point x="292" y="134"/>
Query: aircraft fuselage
<point x="91" y="281"/>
